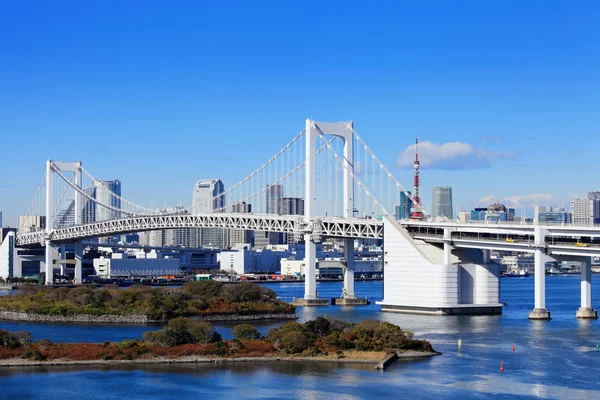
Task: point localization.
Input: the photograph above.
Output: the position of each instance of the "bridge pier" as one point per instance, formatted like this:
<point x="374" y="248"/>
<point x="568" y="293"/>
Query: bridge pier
<point x="586" y="311"/>
<point x="348" y="296"/>
<point x="78" y="279"/>
<point x="49" y="263"/>
<point x="447" y="247"/>
<point x="539" y="311"/>
<point x="63" y="256"/>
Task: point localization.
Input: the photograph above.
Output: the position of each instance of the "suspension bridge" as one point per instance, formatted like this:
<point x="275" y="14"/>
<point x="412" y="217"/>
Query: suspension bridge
<point x="435" y="267"/>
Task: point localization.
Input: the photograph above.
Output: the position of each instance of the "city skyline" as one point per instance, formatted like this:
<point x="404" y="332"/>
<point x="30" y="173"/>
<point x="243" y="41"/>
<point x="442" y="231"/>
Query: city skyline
<point x="478" y="117"/>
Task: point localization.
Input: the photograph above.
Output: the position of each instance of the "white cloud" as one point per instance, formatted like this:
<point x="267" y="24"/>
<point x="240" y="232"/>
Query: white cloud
<point x="450" y="156"/>
<point x="490" y="198"/>
<point x="530" y="200"/>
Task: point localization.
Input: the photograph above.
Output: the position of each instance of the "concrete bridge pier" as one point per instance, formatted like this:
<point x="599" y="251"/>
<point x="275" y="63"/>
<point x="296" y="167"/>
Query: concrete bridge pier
<point x="63" y="257"/>
<point x="586" y="311"/>
<point x="348" y="296"/>
<point x="349" y="270"/>
<point x="539" y="311"/>
<point x="78" y="279"/>
<point x="49" y="263"/>
<point x="447" y="247"/>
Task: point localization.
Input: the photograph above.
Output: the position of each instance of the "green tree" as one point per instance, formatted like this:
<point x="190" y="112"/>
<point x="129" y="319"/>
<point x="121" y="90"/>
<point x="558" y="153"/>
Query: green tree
<point x="245" y="331"/>
<point x="203" y="289"/>
<point x="242" y="292"/>
<point x="183" y="331"/>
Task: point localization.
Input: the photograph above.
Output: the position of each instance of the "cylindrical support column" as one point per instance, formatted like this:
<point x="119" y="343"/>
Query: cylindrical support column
<point x="78" y="279"/>
<point x="447" y="247"/>
<point x="310" y="269"/>
<point x="49" y="263"/>
<point x="586" y="311"/>
<point x="348" y="284"/>
<point x="539" y="310"/>
<point x="486" y="256"/>
<point x="349" y="270"/>
<point x="63" y="257"/>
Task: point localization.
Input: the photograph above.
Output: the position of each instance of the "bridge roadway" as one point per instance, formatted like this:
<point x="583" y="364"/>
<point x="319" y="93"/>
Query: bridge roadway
<point x="558" y="240"/>
<point x="318" y="227"/>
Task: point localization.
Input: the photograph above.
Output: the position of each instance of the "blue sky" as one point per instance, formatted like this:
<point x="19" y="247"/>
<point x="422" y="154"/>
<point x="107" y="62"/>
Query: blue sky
<point x="160" y="94"/>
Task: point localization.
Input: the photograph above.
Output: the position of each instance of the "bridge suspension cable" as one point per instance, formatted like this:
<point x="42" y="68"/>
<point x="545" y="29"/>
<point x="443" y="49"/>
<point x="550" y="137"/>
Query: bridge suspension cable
<point x="33" y="203"/>
<point x="390" y="176"/>
<point x="116" y="196"/>
<point x="349" y="170"/>
<point x="253" y="174"/>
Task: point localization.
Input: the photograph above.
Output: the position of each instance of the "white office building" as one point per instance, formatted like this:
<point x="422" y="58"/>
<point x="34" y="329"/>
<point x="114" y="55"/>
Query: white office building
<point x="585" y="211"/>
<point x="208" y="197"/>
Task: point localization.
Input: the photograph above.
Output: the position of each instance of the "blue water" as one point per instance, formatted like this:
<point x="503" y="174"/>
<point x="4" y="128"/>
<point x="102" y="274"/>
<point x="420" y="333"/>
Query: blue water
<point x="553" y="359"/>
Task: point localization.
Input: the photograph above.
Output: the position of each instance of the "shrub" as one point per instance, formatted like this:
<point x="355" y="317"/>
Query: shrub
<point x="317" y="328"/>
<point x="183" y="331"/>
<point x="13" y="340"/>
<point x="245" y="331"/>
<point x="293" y="342"/>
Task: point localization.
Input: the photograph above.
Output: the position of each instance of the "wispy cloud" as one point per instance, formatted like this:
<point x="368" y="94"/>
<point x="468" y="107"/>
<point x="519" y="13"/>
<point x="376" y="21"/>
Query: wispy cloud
<point x="531" y="199"/>
<point x="451" y="156"/>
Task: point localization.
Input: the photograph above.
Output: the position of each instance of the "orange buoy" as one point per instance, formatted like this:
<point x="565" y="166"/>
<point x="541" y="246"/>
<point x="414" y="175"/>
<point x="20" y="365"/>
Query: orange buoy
<point x="501" y="366"/>
<point x="513" y="347"/>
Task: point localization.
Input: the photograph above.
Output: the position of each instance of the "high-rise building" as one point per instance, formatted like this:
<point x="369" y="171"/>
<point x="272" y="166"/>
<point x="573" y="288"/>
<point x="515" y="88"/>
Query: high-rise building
<point x="274" y="194"/>
<point x="291" y="206"/>
<point x="32" y="222"/>
<point x="403" y="211"/>
<point x="594" y="195"/>
<point x="104" y="195"/>
<point x="442" y="202"/>
<point x="208" y="197"/>
<point x="586" y="211"/>
<point x="239" y="236"/>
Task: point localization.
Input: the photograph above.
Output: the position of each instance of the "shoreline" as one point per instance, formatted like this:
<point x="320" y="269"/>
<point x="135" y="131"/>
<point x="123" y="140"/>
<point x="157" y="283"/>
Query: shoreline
<point x="133" y="319"/>
<point x="19" y="362"/>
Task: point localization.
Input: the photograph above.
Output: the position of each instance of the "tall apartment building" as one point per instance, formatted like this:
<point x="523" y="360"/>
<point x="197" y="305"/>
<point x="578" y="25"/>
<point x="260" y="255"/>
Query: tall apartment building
<point x="239" y="236"/>
<point x="594" y="195"/>
<point x="403" y="210"/>
<point x="32" y="222"/>
<point x="207" y="197"/>
<point x="291" y="206"/>
<point x="274" y="194"/>
<point x="442" y="202"/>
<point x="586" y="211"/>
<point x="103" y="195"/>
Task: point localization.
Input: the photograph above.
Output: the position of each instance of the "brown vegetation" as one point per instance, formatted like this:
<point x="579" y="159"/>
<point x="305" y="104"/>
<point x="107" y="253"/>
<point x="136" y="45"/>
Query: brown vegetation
<point x="183" y="337"/>
<point x="203" y="298"/>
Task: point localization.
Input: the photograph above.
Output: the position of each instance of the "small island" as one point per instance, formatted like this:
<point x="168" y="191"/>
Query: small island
<point x="183" y="340"/>
<point x="202" y="300"/>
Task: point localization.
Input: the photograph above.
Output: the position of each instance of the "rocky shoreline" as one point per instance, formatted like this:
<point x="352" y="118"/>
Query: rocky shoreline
<point x="18" y="362"/>
<point x="131" y="318"/>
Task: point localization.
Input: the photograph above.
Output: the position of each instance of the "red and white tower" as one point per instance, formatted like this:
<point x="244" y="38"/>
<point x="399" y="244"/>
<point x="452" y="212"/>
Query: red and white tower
<point x="416" y="212"/>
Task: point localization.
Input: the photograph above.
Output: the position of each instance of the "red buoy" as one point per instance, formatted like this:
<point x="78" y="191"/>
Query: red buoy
<point x="501" y="366"/>
<point x="513" y="347"/>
